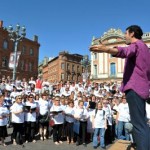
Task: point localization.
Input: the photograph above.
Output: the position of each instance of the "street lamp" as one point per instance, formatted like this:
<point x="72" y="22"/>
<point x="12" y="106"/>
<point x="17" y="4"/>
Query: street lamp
<point x="16" y="36"/>
<point x="85" y="63"/>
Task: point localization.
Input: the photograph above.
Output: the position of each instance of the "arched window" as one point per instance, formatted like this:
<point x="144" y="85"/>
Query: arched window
<point x="4" y="62"/>
<point x="73" y="68"/>
<point x="31" y="52"/>
<point x="26" y="66"/>
<point x="95" y="56"/>
<point x="62" y="66"/>
<point x="62" y="76"/>
<point x="95" y="71"/>
<point x="23" y="50"/>
<point x="30" y="66"/>
<point x="113" y="69"/>
<point x="5" y="44"/>
<point x="22" y="65"/>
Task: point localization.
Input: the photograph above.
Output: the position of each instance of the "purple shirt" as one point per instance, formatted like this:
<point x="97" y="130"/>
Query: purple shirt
<point x="137" y="68"/>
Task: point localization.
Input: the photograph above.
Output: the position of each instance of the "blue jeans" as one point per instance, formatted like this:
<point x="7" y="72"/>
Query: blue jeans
<point x="97" y="132"/>
<point x="141" y="131"/>
<point x="121" y="126"/>
<point x="116" y="130"/>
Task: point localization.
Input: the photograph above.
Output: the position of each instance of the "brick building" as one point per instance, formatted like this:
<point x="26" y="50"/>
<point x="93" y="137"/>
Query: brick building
<point x="28" y="61"/>
<point x="63" y="68"/>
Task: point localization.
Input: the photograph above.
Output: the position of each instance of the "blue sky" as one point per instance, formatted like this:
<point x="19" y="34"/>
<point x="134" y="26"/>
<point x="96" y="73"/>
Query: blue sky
<point x="71" y="24"/>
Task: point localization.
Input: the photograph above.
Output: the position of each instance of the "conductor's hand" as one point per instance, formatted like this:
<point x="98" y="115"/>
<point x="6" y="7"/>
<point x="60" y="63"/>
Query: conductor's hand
<point x="98" y="48"/>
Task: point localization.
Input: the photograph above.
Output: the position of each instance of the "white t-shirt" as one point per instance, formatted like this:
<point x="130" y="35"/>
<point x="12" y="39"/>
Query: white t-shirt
<point x="123" y="110"/>
<point x="9" y="87"/>
<point x="69" y="111"/>
<point x="32" y="82"/>
<point x="13" y="95"/>
<point x="45" y="84"/>
<point x="59" y="118"/>
<point x="17" y="118"/>
<point x="31" y="116"/>
<point x="44" y="106"/>
<point x="3" y="112"/>
<point x="99" y="118"/>
<point x="115" y="107"/>
<point x="63" y="107"/>
<point x="108" y="113"/>
<point x="72" y="88"/>
<point x="66" y="93"/>
<point x="81" y="113"/>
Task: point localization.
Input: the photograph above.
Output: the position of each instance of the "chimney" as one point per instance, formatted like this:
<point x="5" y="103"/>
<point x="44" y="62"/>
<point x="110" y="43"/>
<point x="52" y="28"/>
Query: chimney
<point x="35" y="38"/>
<point x="1" y="23"/>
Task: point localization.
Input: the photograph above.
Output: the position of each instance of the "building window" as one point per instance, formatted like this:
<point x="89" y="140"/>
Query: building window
<point x="95" y="70"/>
<point x="82" y="69"/>
<point x="77" y="68"/>
<point x="31" y="52"/>
<point x="22" y="65"/>
<point x="95" y="56"/>
<point x="26" y="66"/>
<point x="4" y="62"/>
<point x="73" y="68"/>
<point x="5" y="44"/>
<point x="62" y="66"/>
<point x="112" y="69"/>
<point x="62" y="76"/>
<point x="23" y="50"/>
<point x="68" y="77"/>
<point x="68" y="66"/>
<point x="30" y="66"/>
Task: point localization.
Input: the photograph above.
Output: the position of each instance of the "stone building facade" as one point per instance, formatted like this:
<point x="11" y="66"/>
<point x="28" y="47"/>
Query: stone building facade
<point x="105" y="67"/>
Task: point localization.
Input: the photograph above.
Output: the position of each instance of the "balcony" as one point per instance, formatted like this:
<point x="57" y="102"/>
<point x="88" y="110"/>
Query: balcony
<point x="68" y="71"/>
<point x="112" y="76"/>
<point x="94" y="77"/>
<point x="73" y="72"/>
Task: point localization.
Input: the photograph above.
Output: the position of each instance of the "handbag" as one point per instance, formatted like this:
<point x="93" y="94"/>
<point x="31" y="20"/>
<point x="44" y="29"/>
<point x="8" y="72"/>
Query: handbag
<point x="51" y="122"/>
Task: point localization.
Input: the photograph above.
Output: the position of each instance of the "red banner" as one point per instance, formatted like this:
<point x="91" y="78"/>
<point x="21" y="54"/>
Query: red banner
<point x="12" y="59"/>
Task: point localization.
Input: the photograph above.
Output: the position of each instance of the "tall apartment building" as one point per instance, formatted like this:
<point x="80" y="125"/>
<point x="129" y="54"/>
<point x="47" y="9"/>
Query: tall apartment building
<point x="104" y="66"/>
<point x="28" y="61"/>
<point x="63" y="68"/>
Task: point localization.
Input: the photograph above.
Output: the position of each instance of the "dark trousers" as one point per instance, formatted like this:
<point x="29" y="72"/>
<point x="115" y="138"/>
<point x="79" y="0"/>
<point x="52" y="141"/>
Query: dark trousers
<point x="141" y="131"/>
<point x="69" y="130"/>
<point x="30" y="128"/>
<point x="57" y="132"/>
<point x="82" y="132"/>
<point x="108" y="135"/>
<point x="64" y="130"/>
<point x="18" y="129"/>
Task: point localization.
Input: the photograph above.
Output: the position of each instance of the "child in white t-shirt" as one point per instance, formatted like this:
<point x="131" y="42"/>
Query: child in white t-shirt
<point x="99" y="124"/>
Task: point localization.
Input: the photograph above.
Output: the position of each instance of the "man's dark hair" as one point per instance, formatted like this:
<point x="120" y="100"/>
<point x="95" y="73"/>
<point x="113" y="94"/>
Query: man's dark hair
<point x="137" y="31"/>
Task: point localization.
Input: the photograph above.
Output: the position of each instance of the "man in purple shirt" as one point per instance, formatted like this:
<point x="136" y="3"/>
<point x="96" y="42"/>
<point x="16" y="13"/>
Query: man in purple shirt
<point x="136" y="80"/>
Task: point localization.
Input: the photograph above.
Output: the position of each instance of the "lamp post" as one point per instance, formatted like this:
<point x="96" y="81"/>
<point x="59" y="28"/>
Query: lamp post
<point x="85" y="63"/>
<point x="16" y="36"/>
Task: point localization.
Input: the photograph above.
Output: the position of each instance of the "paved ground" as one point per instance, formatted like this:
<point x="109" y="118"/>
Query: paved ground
<point x="44" y="145"/>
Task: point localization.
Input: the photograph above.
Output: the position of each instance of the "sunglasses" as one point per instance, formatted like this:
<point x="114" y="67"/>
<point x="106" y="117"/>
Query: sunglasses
<point x="19" y="98"/>
<point x="30" y="97"/>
